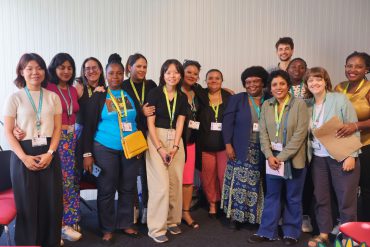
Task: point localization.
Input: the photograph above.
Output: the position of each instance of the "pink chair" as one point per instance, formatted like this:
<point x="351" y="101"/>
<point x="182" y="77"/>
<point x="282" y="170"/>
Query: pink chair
<point x="357" y="231"/>
<point x="8" y="211"/>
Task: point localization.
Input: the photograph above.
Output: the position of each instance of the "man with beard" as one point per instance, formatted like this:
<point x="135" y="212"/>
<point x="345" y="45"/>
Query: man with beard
<point x="284" y="50"/>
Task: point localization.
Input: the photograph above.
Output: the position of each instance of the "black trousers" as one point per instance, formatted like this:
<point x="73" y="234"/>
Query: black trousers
<point x="117" y="174"/>
<point x="144" y="181"/>
<point x="365" y="184"/>
<point x="38" y="198"/>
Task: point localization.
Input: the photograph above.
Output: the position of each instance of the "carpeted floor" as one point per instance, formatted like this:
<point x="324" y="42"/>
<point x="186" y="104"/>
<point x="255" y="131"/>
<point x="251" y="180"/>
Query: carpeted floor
<point x="212" y="232"/>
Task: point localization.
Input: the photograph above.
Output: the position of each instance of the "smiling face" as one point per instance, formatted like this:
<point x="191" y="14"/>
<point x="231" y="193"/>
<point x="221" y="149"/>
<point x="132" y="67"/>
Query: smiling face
<point x="138" y="70"/>
<point x="92" y="71"/>
<point x="214" y="81"/>
<point x="253" y="86"/>
<point x="284" y="52"/>
<point x="115" y="75"/>
<point x="316" y="85"/>
<point x="172" y="76"/>
<point x="296" y="70"/>
<point x="64" y="72"/>
<point x="355" y="69"/>
<point x="279" y="88"/>
<point x="191" y="75"/>
<point x="33" y="74"/>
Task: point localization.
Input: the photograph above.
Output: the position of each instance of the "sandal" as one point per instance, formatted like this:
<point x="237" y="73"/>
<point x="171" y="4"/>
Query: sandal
<point x="192" y="224"/>
<point x="318" y="241"/>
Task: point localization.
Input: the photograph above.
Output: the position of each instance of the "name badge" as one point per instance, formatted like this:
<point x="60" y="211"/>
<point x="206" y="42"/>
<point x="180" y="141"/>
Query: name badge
<point x="127" y="127"/>
<point x="277" y="146"/>
<point x="71" y="129"/>
<point x="256" y="127"/>
<point x="216" y="126"/>
<point x="171" y="135"/>
<point x="96" y="170"/>
<point x="38" y="141"/>
<point x="315" y="145"/>
<point x="194" y="125"/>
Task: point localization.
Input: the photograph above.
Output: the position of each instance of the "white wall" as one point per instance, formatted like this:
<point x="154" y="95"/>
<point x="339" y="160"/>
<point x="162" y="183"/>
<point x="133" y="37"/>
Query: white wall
<point x="226" y="34"/>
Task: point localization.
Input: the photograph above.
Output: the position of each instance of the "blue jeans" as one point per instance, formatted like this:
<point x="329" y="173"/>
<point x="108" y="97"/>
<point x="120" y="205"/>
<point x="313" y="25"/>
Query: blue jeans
<point x="292" y="215"/>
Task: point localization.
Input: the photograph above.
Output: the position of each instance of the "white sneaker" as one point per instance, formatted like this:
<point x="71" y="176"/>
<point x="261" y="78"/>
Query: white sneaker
<point x="69" y="234"/>
<point x="306" y="224"/>
<point x="335" y="230"/>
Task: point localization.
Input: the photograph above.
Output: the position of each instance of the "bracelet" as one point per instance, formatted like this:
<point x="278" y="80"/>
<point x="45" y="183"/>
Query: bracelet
<point x="175" y="146"/>
<point x="85" y="155"/>
<point x="159" y="148"/>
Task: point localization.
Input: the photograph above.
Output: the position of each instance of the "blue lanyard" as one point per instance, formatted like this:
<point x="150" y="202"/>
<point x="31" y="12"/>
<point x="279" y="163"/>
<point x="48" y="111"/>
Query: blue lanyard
<point x="257" y="108"/>
<point x="37" y="111"/>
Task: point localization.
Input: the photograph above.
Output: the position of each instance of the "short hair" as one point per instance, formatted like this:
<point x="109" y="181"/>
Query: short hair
<point x="285" y="40"/>
<point x="101" y="81"/>
<point x="58" y="60"/>
<point x="20" y="82"/>
<point x="317" y="72"/>
<point x="363" y="55"/>
<point x="297" y="59"/>
<point x="188" y="63"/>
<point x="115" y="58"/>
<point x="215" y="70"/>
<point x="257" y="71"/>
<point x="131" y="60"/>
<point x="165" y="67"/>
<point x="278" y="73"/>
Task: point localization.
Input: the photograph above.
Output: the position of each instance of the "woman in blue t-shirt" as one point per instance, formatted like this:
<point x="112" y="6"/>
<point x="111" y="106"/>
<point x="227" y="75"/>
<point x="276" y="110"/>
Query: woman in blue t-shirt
<point x="102" y="146"/>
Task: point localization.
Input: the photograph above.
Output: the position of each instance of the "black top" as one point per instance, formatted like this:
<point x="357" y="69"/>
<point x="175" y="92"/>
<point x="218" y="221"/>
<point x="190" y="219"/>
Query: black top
<point x="84" y="101"/>
<point x="93" y="113"/>
<point x="209" y="140"/>
<point x="192" y="112"/>
<point x="157" y="98"/>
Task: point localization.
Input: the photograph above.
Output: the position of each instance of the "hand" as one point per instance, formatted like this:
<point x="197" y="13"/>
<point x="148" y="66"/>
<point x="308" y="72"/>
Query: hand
<point x="88" y="163"/>
<point x="349" y="164"/>
<point x="230" y="152"/>
<point x="99" y="89"/>
<point x="172" y="153"/>
<point x="274" y="162"/>
<point x="148" y="110"/>
<point x="31" y="162"/>
<point x="346" y="130"/>
<point x="163" y="153"/>
<point x="18" y="133"/>
<point x="45" y="160"/>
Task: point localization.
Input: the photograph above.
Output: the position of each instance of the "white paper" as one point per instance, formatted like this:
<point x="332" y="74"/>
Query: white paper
<point x="279" y="172"/>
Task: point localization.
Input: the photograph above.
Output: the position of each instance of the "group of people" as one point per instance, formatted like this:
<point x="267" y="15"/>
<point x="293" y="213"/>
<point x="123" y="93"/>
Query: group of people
<point x="58" y="125"/>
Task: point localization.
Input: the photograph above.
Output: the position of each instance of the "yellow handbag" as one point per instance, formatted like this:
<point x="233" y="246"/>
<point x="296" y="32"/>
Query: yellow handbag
<point x="134" y="144"/>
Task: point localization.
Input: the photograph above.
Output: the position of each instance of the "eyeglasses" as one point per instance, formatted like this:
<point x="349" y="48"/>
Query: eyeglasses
<point x="92" y="69"/>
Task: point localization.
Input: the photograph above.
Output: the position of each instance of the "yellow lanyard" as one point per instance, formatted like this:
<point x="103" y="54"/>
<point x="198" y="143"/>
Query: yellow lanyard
<point x="279" y="116"/>
<point x="358" y="87"/>
<point x="117" y="105"/>
<point x="136" y="94"/>
<point x="215" y="108"/>
<point x="170" y="113"/>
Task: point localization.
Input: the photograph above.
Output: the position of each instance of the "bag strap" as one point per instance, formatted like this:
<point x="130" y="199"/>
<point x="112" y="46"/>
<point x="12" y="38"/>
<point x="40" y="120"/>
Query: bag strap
<point x="286" y="121"/>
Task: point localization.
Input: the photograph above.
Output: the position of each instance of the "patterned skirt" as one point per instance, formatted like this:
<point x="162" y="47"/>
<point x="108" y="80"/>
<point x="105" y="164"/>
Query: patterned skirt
<point x="71" y="177"/>
<point x="242" y="195"/>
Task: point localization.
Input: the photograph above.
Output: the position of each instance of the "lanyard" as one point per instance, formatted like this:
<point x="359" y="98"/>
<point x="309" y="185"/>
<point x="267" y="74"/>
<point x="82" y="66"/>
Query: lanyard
<point x="316" y="119"/>
<point x="359" y="86"/>
<point x="69" y="105"/>
<point x="257" y="108"/>
<point x="141" y="102"/>
<point x="89" y="91"/>
<point x="215" y="108"/>
<point x="170" y="113"/>
<point x="279" y="116"/>
<point x="117" y="105"/>
<point x="193" y="106"/>
<point x="37" y="111"/>
<point x="300" y="89"/>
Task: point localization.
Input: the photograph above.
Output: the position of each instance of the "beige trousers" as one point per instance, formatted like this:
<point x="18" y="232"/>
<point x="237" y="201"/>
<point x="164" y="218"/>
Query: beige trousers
<point x="164" y="186"/>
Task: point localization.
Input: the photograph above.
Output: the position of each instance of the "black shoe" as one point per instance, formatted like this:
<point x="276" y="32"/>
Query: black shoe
<point x="290" y="241"/>
<point x="255" y="239"/>
<point x="234" y="225"/>
<point x="212" y="215"/>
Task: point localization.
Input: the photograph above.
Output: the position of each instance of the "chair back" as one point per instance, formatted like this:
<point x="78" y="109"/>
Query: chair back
<point x="5" y="181"/>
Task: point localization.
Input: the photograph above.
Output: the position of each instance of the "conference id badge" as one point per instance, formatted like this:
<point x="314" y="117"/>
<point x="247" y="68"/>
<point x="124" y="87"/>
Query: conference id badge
<point x="315" y="145"/>
<point x="71" y="129"/>
<point x="126" y="127"/>
<point x="38" y="141"/>
<point x="276" y="146"/>
<point x="171" y="135"/>
<point x="96" y="170"/>
<point x="216" y="126"/>
<point x="256" y="127"/>
<point x="194" y="125"/>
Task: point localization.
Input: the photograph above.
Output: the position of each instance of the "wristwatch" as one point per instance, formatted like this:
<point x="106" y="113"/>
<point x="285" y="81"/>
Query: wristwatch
<point x="50" y="151"/>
